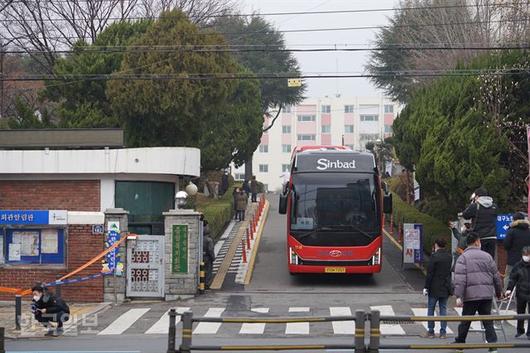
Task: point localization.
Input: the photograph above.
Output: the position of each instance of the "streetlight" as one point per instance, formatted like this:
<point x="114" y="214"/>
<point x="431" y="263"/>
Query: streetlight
<point x="191" y="189"/>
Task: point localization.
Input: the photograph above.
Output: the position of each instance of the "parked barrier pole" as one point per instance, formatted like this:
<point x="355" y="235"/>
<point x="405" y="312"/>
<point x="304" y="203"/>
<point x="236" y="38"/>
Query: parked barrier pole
<point x="359" y="331"/>
<point x="2" y="340"/>
<point x="187" y="326"/>
<point x="392" y="223"/>
<point x="18" y="311"/>
<point x="375" y="332"/>
<point x="243" y="251"/>
<point x="58" y="290"/>
<point x="202" y="278"/>
<point x="384" y="220"/>
<point x="248" y="241"/>
<point x="249" y="233"/>
<point x="171" y="341"/>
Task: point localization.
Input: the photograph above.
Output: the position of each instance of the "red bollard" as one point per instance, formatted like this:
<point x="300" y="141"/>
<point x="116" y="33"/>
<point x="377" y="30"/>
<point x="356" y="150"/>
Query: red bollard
<point x="248" y="241"/>
<point x="384" y="221"/>
<point x="243" y="251"/>
<point x="249" y="234"/>
<point x="392" y="224"/>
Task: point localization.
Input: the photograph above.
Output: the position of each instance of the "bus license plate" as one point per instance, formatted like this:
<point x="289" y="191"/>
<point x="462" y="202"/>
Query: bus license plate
<point x="335" y="269"/>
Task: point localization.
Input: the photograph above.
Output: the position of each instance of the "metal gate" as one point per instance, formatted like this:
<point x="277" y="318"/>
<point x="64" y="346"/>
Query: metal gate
<point x="145" y="266"/>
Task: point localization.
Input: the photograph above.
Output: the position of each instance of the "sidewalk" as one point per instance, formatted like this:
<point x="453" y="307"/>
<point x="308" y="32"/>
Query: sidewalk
<point x="83" y="318"/>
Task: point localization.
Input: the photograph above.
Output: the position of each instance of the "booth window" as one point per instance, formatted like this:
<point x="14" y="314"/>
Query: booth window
<point x="33" y="246"/>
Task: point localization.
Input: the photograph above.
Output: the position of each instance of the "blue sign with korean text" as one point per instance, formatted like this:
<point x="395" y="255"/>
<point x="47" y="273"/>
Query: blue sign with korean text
<point x="23" y="217"/>
<point x="503" y="224"/>
<point x="112" y="237"/>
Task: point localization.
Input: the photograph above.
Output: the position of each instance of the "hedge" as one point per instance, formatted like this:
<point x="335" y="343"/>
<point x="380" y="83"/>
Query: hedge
<point x="218" y="213"/>
<point x="432" y="227"/>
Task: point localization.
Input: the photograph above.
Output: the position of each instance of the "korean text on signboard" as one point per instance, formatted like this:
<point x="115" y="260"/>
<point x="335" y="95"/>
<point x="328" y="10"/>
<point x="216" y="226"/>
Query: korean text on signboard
<point x="179" y="254"/>
<point x="503" y="224"/>
<point x="33" y="217"/>
<point x="412" y="243"/>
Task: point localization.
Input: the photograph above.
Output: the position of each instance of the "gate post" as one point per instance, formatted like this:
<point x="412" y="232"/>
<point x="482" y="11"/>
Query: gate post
<point x="115" y="286"/>
<point x="359" y="331"/>
<point x="172" y="332"/>
<point x="375" y="333"/>
<point x="187" y="326"/>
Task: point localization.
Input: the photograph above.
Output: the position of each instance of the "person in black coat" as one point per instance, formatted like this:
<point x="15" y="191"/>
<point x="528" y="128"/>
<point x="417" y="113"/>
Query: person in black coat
<point x="438" y="286"/>
<point x="520" y="277"/>
<point x="517" y="237"/>
<point x="48" y="308"/>
<point x="483" y="213"/>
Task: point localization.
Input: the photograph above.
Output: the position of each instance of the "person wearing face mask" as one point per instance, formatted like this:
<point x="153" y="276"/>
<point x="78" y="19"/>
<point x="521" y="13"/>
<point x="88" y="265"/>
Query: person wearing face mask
<point x="520" y="278"/>
<point x="517" y="237"/>
<point x="47" y="308"/>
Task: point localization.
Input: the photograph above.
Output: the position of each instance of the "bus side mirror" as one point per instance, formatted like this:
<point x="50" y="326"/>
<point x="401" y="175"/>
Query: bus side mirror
<point x="387" y="204"/>
<point x="282" y="207"/>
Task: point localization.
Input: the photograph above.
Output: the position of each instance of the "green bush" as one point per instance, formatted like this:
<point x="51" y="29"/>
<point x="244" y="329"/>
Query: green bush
<point x="432" y="227"/>
<point x="218" y="213"/>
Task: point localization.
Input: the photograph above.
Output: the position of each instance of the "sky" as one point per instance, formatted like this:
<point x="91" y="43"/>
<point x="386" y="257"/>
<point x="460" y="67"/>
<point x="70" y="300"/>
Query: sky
<point x="328" y="62"/>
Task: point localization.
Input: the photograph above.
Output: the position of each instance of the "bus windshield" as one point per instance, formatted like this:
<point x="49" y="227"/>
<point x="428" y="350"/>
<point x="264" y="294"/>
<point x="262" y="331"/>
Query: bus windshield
<point x="334" y="208"/>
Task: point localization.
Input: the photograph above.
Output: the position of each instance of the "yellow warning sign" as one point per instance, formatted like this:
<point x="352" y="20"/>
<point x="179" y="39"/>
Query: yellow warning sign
<point x="294" y="82"/>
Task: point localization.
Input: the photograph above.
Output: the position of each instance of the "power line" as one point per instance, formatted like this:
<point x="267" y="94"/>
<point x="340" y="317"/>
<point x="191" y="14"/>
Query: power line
<point x="224" y="49"/>
<point x="281" y="76"/>
<point x="293" y="13"/>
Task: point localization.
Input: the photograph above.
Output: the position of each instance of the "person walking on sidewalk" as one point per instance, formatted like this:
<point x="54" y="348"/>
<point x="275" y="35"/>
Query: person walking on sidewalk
<point x="483" y="212"/>
<point x="460" y="236"/>
<point x="520" y="278"/>
<point x="241" y="204"/>
<point x="477" y="281"/>
<point x="254" y="188"/>
<point x="48" y="308"/>
<point x="517" y="237"/>
<point x="438" y="285"/>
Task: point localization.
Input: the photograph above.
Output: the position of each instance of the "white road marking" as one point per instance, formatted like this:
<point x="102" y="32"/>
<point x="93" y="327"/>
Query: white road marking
<point x="342" y="327"/>
<point x="123" y="322"/>
<point x="209" y="328"/>
<point x="254" y="329"/>
<point x="297" y="328"/>
<point x="423" y="312"/>
<point x="388" y="329"/>
<point x="162" y="325"/>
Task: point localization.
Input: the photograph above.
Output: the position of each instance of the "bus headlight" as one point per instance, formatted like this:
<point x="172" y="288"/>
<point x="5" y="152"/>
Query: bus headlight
<point x="376" y="259"/>
<point x="293" y="257"/>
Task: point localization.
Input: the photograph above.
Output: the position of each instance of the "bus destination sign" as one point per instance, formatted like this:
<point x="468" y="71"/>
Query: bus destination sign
<point x="335" y="162"/>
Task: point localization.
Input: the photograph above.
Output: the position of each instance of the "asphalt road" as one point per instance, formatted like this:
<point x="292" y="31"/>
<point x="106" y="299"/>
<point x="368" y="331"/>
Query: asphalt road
<point x="273" y="289"/>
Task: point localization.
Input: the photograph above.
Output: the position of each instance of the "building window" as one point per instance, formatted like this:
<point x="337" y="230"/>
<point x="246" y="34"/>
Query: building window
<point x="326" y="109"/>
<point x="263" y="168"/>
<point x="326" y="129"/>
<point x="306" y="137"/>
<point x="388" y="129"/>
<point x="33" y="246"/>
<point x="286" y="168"/>
<point x="348" y="129"/>
<point x="369" y="137"/>
<point x="389" y="108"/>
<point x="306" y="117"/>
<point x="369" y="117"/>
<point x="287" y="109"/>
<point x="239" y="176"/>
<point x="348" y="109"/>
<point x="286" y="148"/>
<point x="264" y="148"/>
<point x="286" y="129"/>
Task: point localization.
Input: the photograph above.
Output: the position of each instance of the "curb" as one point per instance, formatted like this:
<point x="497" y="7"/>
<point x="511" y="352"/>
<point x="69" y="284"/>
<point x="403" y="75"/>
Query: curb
<point x="254" y="252"/>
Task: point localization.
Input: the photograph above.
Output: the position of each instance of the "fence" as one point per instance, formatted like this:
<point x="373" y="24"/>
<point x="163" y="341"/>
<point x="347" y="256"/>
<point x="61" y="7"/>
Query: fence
<point x="359" y="346"/>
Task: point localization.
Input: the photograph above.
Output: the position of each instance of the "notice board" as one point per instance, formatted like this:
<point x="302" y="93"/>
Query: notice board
<point x="179" y="254"/>
<point x="412" y="243"/>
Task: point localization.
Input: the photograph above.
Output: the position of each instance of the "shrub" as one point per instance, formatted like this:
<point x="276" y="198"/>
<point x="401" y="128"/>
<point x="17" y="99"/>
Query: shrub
<point x="432" y="227"/>
<point x="218" y="213"/>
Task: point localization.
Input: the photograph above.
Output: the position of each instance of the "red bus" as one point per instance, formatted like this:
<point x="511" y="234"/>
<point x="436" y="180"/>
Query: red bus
<point x="334" y="205"/>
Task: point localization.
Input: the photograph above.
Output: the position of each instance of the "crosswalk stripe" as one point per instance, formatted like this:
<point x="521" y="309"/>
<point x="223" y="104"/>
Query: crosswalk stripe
<point x="123" y="322"/>
<point x="254" y="329"/>
<point x="475" y="325"/>
<point x="423" y="312"/>
<point x="162" y="325"/>
<point x="209" y="328"/>
<point x="342" y="327"/>
<point x="297" y="328"/>
<point x="388" y="329"/>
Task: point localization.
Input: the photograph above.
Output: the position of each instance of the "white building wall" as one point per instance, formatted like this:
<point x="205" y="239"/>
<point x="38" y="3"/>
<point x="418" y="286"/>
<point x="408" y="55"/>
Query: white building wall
<point x="275" y="158"/>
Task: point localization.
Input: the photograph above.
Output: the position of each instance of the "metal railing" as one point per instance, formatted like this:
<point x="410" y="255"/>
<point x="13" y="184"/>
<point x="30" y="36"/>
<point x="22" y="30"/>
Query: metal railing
<point x="358" y="345"/>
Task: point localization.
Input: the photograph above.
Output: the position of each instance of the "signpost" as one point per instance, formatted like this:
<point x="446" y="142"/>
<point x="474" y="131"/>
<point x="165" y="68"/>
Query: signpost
<point x="412" y="243"/>
<point x="179" y="254"/>
<point x="503" y="224"/>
